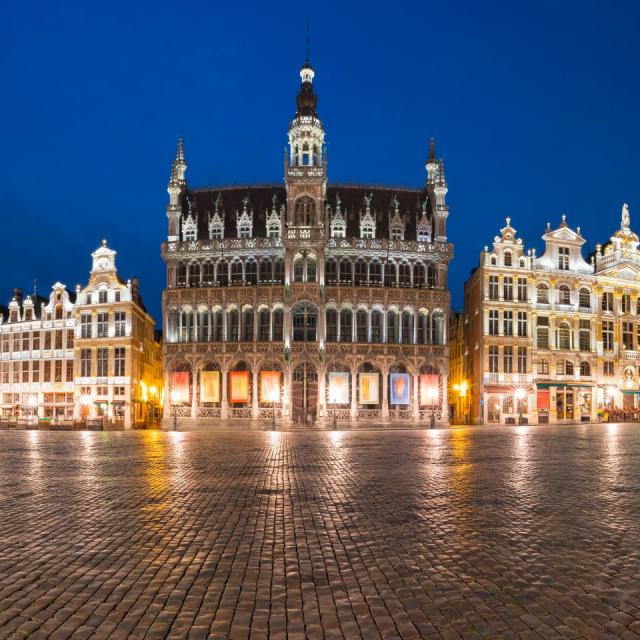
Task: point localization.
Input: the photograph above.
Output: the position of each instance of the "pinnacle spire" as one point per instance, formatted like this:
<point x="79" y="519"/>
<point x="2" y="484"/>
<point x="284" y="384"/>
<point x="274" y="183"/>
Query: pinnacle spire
<point x="432" y="148"/>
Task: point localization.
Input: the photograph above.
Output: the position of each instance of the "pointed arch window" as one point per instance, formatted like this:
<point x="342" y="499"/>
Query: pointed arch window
<point x="331" y="271"/>
<point x="278" y="324"/>
<point x="207" y="272"/>
<point x="236" y="272"/>
<point x="361" y="325"/>
<point x="375" y="273"/>
<point x="194" y="274"/>
<point x="305" y="317"/>
<point x="304" y="211"/>
<point x="376" y="325"/>
<point x="404" y="274"/>
<point x="278" y="271"/>
<point x="346" y="325"/>
<point x="247" y="324"/>
<point x="266" y="270"/>
<point x="251" y="272"/>
<point x="332" y="325"/>
<point x="392" y="326"/>
<point x="233" y="328"/>
<point x="182" y="274"/>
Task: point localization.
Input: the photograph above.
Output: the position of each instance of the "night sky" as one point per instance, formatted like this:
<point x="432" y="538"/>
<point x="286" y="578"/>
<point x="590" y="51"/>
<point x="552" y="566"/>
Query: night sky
<point x="535" y="110"/>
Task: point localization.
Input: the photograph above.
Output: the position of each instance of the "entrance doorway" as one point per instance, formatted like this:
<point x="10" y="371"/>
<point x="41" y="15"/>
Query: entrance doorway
<point x="564" y="404"/>
<point x="304" y="394"/>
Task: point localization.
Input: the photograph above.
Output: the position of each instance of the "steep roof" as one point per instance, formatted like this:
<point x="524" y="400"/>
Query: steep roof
<point x="203" y="203"/>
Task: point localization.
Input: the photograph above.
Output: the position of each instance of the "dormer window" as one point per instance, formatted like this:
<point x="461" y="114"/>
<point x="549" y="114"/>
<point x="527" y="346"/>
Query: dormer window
<point x="244" y="231"/>
<point x="13" y="316"/>
<point x="396" y="233"/>
<point x="507" y="259"/>
<point x="563" y="258"/>
<point x="28" y="314"/>
<point x="367" y="232"/>
<point x="102" y="299"/>
<point x="216" y="232"/>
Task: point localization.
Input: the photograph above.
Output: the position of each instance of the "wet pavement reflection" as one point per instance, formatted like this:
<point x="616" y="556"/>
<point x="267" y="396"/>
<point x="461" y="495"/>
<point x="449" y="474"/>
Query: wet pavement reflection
<point x="518" y="532"/>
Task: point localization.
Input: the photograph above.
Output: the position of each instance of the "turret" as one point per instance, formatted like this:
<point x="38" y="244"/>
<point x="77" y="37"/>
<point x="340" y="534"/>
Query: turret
<point x="175" y="187"/>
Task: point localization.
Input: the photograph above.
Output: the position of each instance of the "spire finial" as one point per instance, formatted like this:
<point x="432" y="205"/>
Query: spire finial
<point x="308" y="42"/>
<point x="432" y="148"/>
<point x="104" y="242"/>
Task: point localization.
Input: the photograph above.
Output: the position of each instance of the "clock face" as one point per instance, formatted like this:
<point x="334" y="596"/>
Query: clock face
<point x="103" y="263"/>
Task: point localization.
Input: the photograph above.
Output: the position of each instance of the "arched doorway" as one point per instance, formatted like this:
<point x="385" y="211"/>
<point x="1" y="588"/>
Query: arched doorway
<point x="304" y="394"/>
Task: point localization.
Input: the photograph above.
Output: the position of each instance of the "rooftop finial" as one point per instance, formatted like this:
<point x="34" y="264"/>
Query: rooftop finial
<point x="432" y="148"/>
<point x="104" y="242"/>
<point x="308" y="42"/>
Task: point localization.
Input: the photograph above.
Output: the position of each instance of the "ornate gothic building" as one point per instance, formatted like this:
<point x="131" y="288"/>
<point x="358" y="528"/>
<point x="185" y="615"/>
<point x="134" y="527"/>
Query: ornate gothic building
<point x="306" y="303"/>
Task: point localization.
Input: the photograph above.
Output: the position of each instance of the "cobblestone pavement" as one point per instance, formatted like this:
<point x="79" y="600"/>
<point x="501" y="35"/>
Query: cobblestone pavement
<point x="518" y="532"/>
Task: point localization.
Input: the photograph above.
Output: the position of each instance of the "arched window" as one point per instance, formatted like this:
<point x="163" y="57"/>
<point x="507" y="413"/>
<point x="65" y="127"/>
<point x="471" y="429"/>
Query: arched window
<point x="346" y="325"/>
<point x="332" y="325"/>
<point x="431" y="276"/>
<point x="304" y="211"/>
<point x="345" y="271"/>
<point x="564" y="336"/>
<point x="172" y="324"/>
<point x="423" y="328"/>
<point x="390" y="274"/>
<point x="507" y="259"/>
<point x="311" y="269"/>
<point x="305" y="317"/>
<point x="247" y="324"/>
<point x="186" y="326"/>
<point x="493" y="261"/>
<point x="542" y="294"/>
<point x="194" y="274"/>
<point x="236" y="272"/>
<point x="585" y="369"/>
<point x="266" y="270"/>
<point x="331" y="271"/>
<point x="360" y="272"/>
<point x="437" y="320"/>
<point x="182" y="274"/>
<point x="298" y="269"/>
<point x="376" y="325"/>
<point x="207" y="272"/>
<point x="564" y="294"/>
<point x="264" y="318"/>
<point x="568" y="368"/>
<point x="233" y="328"/>
<point x="216" y="325"/>
<point x="278" y="271"/>
<point x="58" y="312"/>
<point x="361" y="325"/>
<point x="251" y="272"/>
<point x="407" y="327"/>
<point x="418" y="275"/>
<point x="203" y="325"/>
<point x="543" y="367"/>
<point x="222" y="273"/>
<point x="404" y="274"/>
<point x="392" y="326"/>
<point x="278" y="325"/>
<point x="375" y="273"/>
<point x="584" y="298"/>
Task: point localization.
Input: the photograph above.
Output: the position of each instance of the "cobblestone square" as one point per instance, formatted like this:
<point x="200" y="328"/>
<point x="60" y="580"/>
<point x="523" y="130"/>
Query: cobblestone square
<point x="517" y="532"/>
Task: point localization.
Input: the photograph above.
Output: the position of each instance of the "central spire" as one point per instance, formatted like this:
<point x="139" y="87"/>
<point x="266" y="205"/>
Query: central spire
<point x="306" y="100"/>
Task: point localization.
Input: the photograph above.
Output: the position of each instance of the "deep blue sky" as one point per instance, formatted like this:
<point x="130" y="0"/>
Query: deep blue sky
<point x="535" y="109"/>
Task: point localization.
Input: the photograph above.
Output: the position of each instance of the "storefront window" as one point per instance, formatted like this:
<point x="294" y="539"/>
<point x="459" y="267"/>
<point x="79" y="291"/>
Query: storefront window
<point x="493" y="409"/>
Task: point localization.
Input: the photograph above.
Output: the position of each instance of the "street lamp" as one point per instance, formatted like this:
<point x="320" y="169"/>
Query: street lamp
<point x="174" y="405"/>
<point x="520" y="394"/>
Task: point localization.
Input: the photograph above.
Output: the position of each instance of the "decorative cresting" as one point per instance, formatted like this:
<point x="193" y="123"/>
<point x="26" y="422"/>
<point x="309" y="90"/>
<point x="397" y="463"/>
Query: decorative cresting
<point x="305" y="279"/>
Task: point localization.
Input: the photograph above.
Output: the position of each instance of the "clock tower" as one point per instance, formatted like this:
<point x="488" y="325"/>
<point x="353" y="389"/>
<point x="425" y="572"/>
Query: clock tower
<point x="104" y="261"/>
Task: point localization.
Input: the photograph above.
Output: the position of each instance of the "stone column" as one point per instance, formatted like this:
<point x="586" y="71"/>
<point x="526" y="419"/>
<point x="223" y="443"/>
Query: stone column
<point x="385" y="394"/>
<point x="194" y="393"/>
<point x="414" y="398"/>
<point x="322" y="393"/>
<point x="224" y="404"/>
<point x="254" y="395"/>
<point x="354" y="403"/>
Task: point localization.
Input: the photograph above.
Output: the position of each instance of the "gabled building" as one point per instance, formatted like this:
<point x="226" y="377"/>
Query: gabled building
<point x="554" y="338"/>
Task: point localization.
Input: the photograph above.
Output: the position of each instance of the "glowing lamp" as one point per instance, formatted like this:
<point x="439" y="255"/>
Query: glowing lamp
<point x="85" y="400"/>
<point x="174" y="397"/>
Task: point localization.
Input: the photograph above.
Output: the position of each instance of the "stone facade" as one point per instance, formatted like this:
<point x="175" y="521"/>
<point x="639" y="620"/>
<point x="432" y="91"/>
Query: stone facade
<point x="554" y="339"/>
<point x="304" y="281"/>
